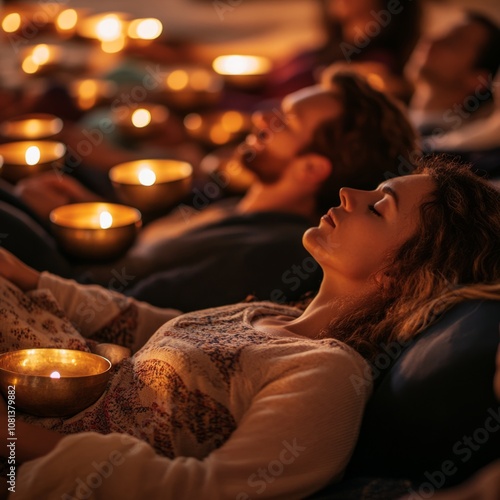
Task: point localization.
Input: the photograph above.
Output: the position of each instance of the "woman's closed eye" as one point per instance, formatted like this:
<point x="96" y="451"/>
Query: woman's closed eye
<point x="374" y="210"/>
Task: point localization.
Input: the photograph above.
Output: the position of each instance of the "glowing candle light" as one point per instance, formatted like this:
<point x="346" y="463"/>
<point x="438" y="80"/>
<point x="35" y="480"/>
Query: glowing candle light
<point x="11" y="22"/>
<point x="105" y="220"/>
<point x="145" y="29"/>
<point x="32" y="155"/>
<point x="232" y="121"/>
<point x="67" y="20"/>
<point x="41" y="54"/>
<point x="151" y="184"/>
<point x="29" y="66"/>
<point x="141" y="118"/>
<point x="241" y="65"/>
<point x="55" y="375"/>
<point x="178" y="79"/>
<point x="95" y="230"/>
<point x="113" y="46"/>
<point x="146" y="177"/>
<point x="109" y="28"/>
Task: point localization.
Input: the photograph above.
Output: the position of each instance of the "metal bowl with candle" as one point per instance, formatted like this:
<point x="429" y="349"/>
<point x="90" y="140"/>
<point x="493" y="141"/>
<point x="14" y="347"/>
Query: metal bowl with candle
<point x="147" y="120"/>
<point x="25" y="158"/>
<point x="31" y="126"/>
<point x="43" y="59"/>
<point x="28" y="18"/>
<point x="152" y="185"/>
<point x="104" y="26"/>
<point x="243" y="70"/>
<point x="95" y="230"/>
<point x="217" y="128"/>
<point x="54" y="382"/>
<point x="190" y="87"/>
<point x="109" y="28"/>
<point x="91" y="92"/>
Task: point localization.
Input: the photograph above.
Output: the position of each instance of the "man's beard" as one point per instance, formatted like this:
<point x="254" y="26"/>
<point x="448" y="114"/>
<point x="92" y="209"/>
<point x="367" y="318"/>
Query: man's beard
<point x="264" y="165"/>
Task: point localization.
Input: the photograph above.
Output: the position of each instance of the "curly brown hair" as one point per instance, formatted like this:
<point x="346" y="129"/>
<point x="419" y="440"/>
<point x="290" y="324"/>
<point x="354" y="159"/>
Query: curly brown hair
<point x="454" y="255"/>
<point x="370" y="140"/>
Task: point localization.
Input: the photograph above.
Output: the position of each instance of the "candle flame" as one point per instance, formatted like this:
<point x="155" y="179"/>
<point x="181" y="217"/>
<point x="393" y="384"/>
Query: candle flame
<point x="32" y="155"/>
<point x="55" y="375"/>
<point x="105" y="220"/>
<point x="145" y="29"/>
<point x="109" y="28"/>
<point x="146" y="177"/>
<point x="11" y="22"/>
<point x="41" y="54"/>
<point x="113" y="46"/>
<point x="29" y="65"/>
<point x="67" y="19"/>
<point x="241" y="65"/>
<point x="141" y="118"/>
<point x="178" y="79"/>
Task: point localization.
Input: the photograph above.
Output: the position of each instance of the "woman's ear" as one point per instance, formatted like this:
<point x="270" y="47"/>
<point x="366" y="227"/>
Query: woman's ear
<point x="312" y="168"/>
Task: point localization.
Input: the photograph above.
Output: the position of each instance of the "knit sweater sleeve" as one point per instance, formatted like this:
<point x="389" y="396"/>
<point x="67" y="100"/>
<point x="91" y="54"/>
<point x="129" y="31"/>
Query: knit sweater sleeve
<point x="297" y="436"/>
<point x="106" y="315"/>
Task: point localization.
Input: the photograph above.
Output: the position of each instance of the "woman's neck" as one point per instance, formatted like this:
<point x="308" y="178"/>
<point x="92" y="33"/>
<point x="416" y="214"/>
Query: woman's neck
<point x="331" y="301"/>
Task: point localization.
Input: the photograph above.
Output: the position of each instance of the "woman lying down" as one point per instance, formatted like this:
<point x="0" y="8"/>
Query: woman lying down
<point x="252" y="399"/>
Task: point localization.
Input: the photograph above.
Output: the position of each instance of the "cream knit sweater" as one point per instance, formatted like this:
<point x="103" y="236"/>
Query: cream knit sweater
<point x="208" y="407"/>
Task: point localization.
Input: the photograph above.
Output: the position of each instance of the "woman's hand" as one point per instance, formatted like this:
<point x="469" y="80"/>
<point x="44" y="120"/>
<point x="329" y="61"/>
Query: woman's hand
<point x="18" y="273"/>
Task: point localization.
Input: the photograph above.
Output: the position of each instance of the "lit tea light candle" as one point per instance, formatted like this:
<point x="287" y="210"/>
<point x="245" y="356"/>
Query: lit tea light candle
<point x="25" y="158"/>
<point x="218" y="127"/>
<point x="105" y="220"/>
<point x="54" y="382"/>
<point x="146" y="177"/>
<point x="191" y="87"/>
<point x="41" y="58"/>
<point x="145" y="29"/>
<point x="243" y="70"/>
<point x="11" y="22"/>
<point x="66" y="22"/>
<point x="32" y="155"/>
<point x="146" y="121"/>
<point x="109" y="28"/>
<point x="152" y="185"/>
<point x="113" y="46"/>
<point x="90" y="92"/>
<point x="26" y="16"/>
<point x="33" y="126"/>
<point x="95" y="230"/>
<point x="141" y="118"/>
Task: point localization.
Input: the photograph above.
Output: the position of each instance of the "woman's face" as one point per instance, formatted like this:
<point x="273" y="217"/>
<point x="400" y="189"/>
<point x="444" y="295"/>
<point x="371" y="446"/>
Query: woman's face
<point x="355" y="240"/>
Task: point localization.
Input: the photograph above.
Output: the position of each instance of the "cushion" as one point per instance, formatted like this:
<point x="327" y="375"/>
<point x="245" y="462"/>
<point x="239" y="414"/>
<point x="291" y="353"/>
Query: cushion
<point x="433" y="417"/>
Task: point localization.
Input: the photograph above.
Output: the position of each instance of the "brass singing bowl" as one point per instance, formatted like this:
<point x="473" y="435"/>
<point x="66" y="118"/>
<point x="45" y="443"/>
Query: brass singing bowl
<point x="13" y="166"/>
<point x="123" y="117"/>
<point x="31" y="126"/>
<point x="83" y="378"/>
<point x="216" y="128"/>
<point x="76" y="238"/>
<point x="173" y="183"/>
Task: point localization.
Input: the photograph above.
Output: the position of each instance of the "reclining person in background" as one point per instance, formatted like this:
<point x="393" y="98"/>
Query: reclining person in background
<point x="324" y="137"/>
<point x="453" y="74"/>
<point x="229" y="396"/>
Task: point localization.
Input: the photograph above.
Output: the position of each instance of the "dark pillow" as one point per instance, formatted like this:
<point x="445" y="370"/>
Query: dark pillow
<point x="433" y="416"/>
